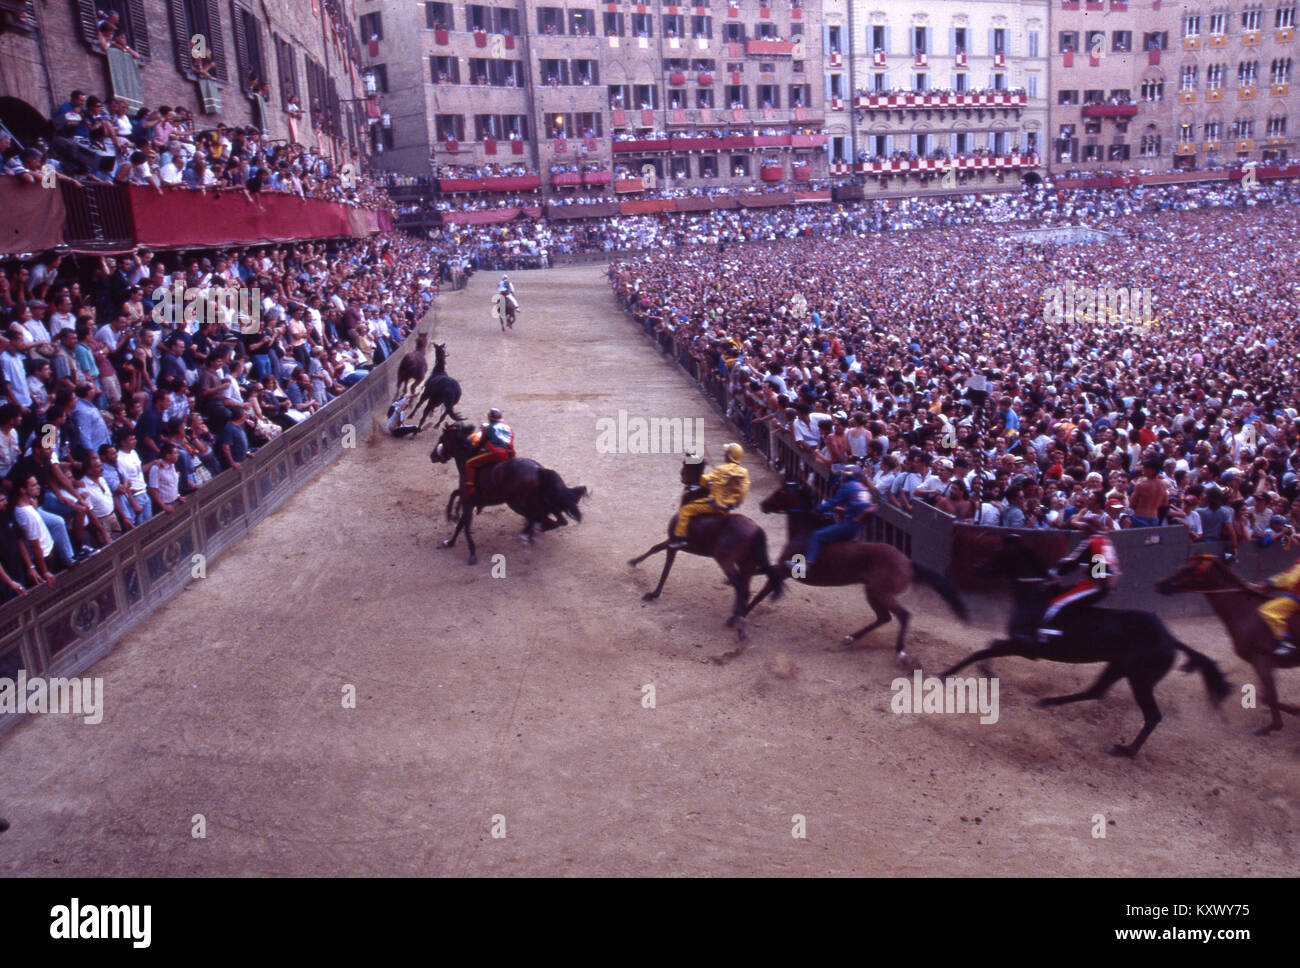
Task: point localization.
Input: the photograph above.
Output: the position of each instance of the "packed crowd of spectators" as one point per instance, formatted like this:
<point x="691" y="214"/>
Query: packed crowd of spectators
<point x="164" y="148"/>
<point x="119" y="399"/>
<point x="496" y="245"/>
<point x="866" y="348"/>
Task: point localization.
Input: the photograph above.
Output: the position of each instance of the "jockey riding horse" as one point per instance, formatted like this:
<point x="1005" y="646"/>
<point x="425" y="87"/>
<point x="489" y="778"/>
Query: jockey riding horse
<point x="496" y="444"/>
<point x="727" y="485"/>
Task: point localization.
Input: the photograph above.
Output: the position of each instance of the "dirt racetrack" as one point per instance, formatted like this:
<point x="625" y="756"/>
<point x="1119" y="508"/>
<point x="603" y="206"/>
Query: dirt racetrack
<point x="521" y="697"/>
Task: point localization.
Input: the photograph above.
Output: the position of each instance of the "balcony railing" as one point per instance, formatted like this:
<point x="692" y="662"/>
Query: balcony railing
<point x="731" y="143"/>
<point x="1110" y="110"/>
<point x="960" y="163"/>
<point x="997" y="99"/>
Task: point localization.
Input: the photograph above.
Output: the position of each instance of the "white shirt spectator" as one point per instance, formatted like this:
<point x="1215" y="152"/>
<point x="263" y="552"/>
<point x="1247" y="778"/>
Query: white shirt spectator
<point x="164" y="478"/>
<point x="33" y="528"/>
<point x="131" y="472"/>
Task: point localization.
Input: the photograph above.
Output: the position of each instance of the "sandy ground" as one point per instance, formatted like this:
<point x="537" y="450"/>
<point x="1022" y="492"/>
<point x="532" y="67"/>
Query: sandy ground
<point x="522" y="697"/>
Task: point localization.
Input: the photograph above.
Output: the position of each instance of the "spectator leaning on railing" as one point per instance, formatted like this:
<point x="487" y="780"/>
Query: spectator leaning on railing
<point x="139" y="400"/>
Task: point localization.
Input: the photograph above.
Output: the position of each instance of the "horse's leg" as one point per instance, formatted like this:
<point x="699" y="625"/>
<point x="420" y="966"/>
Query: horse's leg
<point x="882" y="617"/>
<point x="654" y="550"/>
<point x="762" y="594"/>
<point x="663" y="577"/>
<point x="1264" y="669"/>
<point x="1109" y="676"/>
<point x="999" y="648"/>
<point x="467" y="515"/>
<point x="1144" y="691"/>
<point x="739" y="583"/>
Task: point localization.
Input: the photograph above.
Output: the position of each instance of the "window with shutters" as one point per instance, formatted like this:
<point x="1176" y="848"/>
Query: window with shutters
<point x="380" y="72"/>
<point x="439" y="16"/>
<point x="444" y="70"/>
<point x="192" y="19"/>
<point x="372" y="26"/>
<point x="315" y="92"/>
<point x="248" y="47"/>
<point x="449" y="127"/>
<point x="128" y="16"/>
<point x="335" y="115"/>
<point x="288" y="69"/>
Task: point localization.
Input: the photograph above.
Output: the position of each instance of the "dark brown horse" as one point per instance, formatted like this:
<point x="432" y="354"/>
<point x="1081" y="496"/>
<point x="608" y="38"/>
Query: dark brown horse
<point x="440" y="390"/>
<point x="882" y="570"/>
<point x="734" y="541"/>
<point x="1237" y="606"/>
<point x="413" y="366"/>
<point x="525" y="486"/>
<point x="1135" y="645"/>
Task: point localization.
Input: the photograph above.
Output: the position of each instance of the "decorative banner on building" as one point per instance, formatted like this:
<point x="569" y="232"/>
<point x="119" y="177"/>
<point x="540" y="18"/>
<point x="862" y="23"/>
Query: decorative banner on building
<point x="517" y="147"/>
<point x="561" y="146"/>
<point x="647" y="118"/>
<point x="878" y="58"/>
<point x="1067" y="58"/>
<point x="489" y="146"/>
<point x="1153" y="56"/>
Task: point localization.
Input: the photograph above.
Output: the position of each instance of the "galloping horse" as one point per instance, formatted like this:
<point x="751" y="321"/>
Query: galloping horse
<point x="1236" y="605"/>
<point x="882" y="570"/>
<point x="413" y="366"/>
<point x="504" y="307"/>
<point x="440" y="390"/>
<point x="1135" y="645"/>
<point x="530" y="490"/>
<point x="734" y="541"/>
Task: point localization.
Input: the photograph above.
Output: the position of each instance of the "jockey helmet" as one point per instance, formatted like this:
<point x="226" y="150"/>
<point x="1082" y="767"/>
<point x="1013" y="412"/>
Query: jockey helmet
<point x="733" y="452"/>
<point x="494" y="414"/>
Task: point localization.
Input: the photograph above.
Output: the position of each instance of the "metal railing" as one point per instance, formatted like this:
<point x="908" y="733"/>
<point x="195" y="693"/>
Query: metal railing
<point x="937" y="540"/>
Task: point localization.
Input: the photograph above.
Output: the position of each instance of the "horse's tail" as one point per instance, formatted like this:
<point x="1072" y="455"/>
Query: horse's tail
<point x="759" y="547"/>
<point x="561" y="499"/>
<point x="932" y="579"/>
<point x="1215" y="683"/>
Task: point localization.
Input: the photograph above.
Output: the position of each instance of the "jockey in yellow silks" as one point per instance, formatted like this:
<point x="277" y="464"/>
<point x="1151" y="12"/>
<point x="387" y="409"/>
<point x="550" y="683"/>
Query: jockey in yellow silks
<point x="1277" y="612"/>
<point x="728" y="483"/>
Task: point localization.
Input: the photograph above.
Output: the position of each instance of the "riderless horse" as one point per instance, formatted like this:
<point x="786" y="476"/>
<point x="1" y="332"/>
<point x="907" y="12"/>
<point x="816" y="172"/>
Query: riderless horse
<point x="440" y="390"/>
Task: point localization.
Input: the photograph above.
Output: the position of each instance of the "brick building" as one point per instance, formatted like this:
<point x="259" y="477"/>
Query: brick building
<point x="619" y="88"/>
<point x="302" y="48"/>
<point x="1171" y="85"/>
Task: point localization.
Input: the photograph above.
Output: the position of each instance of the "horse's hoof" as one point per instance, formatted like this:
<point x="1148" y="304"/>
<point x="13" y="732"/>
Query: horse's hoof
<point x="1044" y="704"/>
<point x="4" y="825"/>
<point x="473" y="560"/>
<point x="649" y="597"/>
<point x="1264" y="731"/>
<point x="905" y="659"/>
<point x="445" y="544"/>
<point x="1118" y="750"/>
<point x="631" y="562"/>
<point x="847" y="641"/>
